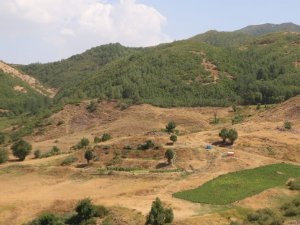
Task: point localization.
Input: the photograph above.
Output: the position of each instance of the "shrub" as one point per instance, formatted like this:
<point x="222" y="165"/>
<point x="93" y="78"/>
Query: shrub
<point x="3" y="155"/>
<point x="294" y="185"/>
<point x="85" y="210"/>
<point x="173" y="138"/>
<point x="169" y="154"/>
<point x="21" y="149"/>
<point x="84" y="142"/>
<point x="265" y="217"/>
<point x="37" y="154"/>
<point x="106" y="137"/>
<point x="291" y="208"/>
<point x="55" y="150"/>
<point x="149" y="144"/>
<point x="237" y="119"/>
<point x="171" y="127"/>
<point x="97" y="139"/>
<point x="69" y="160"/>
<point x="159" y="215"/>
<point x="288" y="125"/>
<point x="46" y="219"/>
<point x="88" y="155"/>
<point x="92" y="107"/>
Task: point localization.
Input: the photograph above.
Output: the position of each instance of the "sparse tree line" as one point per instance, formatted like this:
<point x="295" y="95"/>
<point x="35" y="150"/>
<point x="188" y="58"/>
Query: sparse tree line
<point x="86" y="213"/>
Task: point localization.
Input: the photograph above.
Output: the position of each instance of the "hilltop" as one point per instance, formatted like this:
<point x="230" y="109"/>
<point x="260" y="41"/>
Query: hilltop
<point x="211" y="69"/>
<point x="258" y="30"/>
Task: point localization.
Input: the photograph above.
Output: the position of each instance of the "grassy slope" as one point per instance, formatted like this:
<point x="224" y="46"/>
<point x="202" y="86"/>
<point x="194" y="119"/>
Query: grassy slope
<point x="236" y="186"/>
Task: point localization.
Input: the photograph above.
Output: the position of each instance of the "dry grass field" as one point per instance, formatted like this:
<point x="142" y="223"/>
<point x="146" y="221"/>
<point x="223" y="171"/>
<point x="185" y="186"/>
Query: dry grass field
<point x="37" y="185"/>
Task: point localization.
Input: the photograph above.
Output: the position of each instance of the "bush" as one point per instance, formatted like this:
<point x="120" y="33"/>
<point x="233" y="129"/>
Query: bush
<point x="84" y="142"/>
<point x="37" y="154"/>
<point x="291" y="208"/>
<point x="3" y="155"/>
<point x="265" y="217"/>
<point x="85" y="210"/>
<point x="171" y="127"/>
<point x="92" y="107"/>
<point x="97" y="139"/>
<point x="169" y="154"/>
<point x="69" y="160"/>
<point x="288" y="125"/>
<point x="173" y="138"/>
<point x="21" y="149"/>
<point x="106" y="137"/>
<point x="159" y="215"/>
<point x="46" y="219"/>
<point x="55" y="150"/>
<point x="294" y="185"/>
<point x="237" y="119"/>
<point x="149" y="144"/>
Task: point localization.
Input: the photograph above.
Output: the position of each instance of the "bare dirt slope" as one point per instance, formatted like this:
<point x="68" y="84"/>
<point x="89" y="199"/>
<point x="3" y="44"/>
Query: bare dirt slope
<point x="37" y="185"/>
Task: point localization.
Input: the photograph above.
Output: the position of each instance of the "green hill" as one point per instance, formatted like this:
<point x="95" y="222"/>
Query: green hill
<point x="258" y="30"/>
<point x="18" y="97"/>
<point x="212" y="69"/>
<point x="77" y="67"/>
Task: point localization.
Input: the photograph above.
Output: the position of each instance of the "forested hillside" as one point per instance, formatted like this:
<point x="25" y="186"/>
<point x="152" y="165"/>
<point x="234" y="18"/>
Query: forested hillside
<point x="77" y="67"/>
<point x="17" y="97"/>
<point x="212" y="69"/>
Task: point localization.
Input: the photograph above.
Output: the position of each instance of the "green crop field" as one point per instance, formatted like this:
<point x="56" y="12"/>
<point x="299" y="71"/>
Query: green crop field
<point x="235" y="186"/>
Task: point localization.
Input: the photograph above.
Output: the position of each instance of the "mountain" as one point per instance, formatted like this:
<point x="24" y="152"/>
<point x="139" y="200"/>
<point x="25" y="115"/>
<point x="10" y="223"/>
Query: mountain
<point x="212" y="69"/>
<point x="258" y="30"/>
<point x="222" y="39"/>
<point x="77" y="67"/>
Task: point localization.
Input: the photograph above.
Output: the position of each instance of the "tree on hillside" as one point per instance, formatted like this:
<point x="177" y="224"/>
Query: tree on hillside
<point x="171" y="127"/>
<point x="88" y="155"/>
<point x="173" y="138"/>
<point x="159" y="215"/>
<point x="21" y="149"/>
<point x="223" y="134"/>
<point x="169" y="154"/>
<point x="232" y="136"/>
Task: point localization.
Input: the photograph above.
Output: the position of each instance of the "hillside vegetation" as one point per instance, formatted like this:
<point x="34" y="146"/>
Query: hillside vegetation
<point x="212" y="69"/>
<point x="18" y="97"/>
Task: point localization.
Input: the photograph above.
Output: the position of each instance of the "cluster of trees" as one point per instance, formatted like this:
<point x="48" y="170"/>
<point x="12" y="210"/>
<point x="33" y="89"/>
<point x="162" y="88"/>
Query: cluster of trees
<point x="230" y="134"/>
<point x="85" y="213"/>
